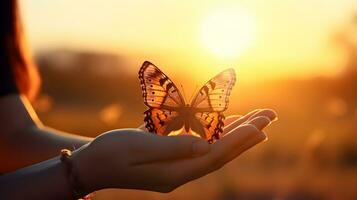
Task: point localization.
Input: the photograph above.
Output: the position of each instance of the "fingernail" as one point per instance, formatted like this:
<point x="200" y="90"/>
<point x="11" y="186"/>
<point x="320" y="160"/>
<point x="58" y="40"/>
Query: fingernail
<point x="275" y="116"/>
<point x="200" y="147"/>
<point x="270" y="113"/>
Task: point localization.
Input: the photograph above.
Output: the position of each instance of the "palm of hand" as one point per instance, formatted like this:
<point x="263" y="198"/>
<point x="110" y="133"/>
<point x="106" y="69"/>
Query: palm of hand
<point x="132" y="158"/>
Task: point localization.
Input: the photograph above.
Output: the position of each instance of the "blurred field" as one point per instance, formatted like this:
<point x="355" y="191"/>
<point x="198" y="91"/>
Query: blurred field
<point x="311" y="153"/>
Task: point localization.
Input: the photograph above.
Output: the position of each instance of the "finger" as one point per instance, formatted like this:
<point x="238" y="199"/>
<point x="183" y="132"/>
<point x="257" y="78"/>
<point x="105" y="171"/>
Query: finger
<point x="236" y="121"/>
<point x="259" y="122"/>
<point x="245" y="145"/>
<point x="271" y="114"/>
<point x="231" y="119"/>
<point x="240" y="139"/>
<point x="236" y="142"/>
<point x="221" y="152"/>
<point x="159" y="148"/>
<point x="256" y="126"/>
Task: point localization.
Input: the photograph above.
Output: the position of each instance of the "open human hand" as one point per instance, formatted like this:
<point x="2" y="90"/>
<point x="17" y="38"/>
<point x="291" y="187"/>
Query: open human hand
<point x="135" y="159"/>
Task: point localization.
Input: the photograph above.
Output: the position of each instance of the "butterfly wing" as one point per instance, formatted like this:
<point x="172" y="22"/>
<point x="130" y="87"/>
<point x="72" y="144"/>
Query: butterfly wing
<point x="214" y="95"/>
<point x="158" y="89"/>
<point x="208" y="125"/>
<point x="210" y="102"/>
<point x="163" y="99"/>
<point x="162" y="121"/>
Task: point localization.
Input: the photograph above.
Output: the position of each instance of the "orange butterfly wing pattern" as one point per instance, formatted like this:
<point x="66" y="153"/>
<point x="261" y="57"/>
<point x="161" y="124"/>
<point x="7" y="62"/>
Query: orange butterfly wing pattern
<point x="210" y="102"/>
<point x="208" y="125"/>
<point x="162" y="121"/>
<point x="162" y="97"/>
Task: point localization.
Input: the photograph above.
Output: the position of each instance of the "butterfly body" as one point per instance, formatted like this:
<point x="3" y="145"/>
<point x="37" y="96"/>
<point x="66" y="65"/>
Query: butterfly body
<point x="185" y="118"/>
<point x="188" y="114"/>
<point x="169" y="112"/>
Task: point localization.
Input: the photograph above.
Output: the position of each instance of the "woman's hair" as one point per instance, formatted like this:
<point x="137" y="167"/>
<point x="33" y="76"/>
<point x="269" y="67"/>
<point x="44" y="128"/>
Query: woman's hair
<point x="15" y="59"/>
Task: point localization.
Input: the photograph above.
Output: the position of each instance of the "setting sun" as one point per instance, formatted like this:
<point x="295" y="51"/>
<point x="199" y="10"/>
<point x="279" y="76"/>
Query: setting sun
<point x="228" y="32"/>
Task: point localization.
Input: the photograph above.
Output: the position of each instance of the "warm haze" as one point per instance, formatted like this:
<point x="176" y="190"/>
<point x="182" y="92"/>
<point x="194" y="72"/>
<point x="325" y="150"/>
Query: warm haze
<point x="268" y="39"/>
<point x="297" y="57"/>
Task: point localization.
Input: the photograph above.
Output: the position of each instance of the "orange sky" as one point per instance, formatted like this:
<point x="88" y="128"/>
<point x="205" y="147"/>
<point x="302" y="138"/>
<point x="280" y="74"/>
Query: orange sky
<point x="292" y="37"/>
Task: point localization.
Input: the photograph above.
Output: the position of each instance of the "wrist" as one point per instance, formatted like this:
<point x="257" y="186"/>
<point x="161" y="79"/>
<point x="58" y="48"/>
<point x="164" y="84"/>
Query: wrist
<point x="78" y="187"/>
<point x="87" y="173"/>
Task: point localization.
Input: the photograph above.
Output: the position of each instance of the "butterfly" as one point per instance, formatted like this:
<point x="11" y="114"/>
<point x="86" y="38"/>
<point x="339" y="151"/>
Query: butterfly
<point x="167" y="110"/>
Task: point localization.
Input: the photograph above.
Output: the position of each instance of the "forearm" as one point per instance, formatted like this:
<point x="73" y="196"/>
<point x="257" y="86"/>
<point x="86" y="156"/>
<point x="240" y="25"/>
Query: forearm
<point x="33" y="145"/>
<point x="45" y="180"/>
<point x="24" y="140"/>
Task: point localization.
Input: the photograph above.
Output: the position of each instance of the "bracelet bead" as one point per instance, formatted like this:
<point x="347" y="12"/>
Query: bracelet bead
<point x="77" y="192"/>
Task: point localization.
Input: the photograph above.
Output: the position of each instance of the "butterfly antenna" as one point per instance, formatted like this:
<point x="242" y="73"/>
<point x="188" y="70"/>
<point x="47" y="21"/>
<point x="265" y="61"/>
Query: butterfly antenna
<point x="194" y="92"/>
<point x="184" y="94"/>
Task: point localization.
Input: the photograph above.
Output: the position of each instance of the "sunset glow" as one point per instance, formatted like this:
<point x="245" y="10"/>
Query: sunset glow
<point x="228" y="32"/>
<point x="298" y="59"/>
<point x="263" y="40"/>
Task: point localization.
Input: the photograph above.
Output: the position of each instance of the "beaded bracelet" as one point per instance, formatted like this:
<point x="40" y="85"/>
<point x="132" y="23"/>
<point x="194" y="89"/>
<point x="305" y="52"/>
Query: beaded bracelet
<point x="77" y="192"/>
